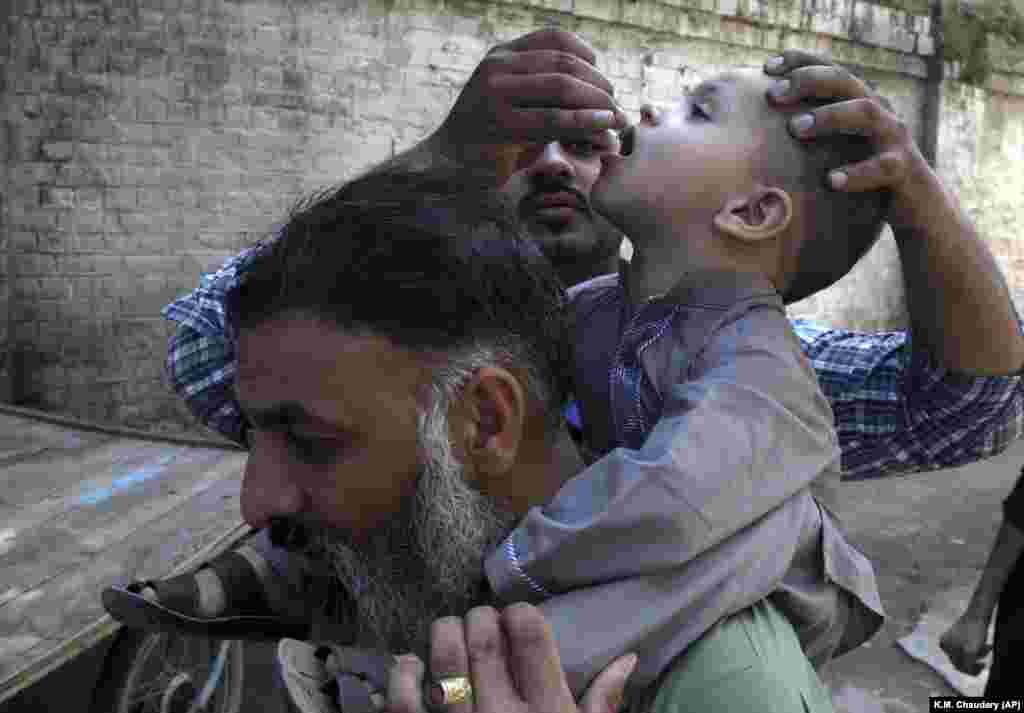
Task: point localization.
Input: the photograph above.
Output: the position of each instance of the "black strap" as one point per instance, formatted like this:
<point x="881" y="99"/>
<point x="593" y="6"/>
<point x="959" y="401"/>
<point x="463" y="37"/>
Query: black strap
<point x="243" y="588"/>
<point x="179" y="593"/>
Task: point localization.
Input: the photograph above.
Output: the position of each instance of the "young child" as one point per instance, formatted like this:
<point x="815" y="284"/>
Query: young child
<point x="700" y="524"/>
<point x="697" y="530"/>
<point x="704" y="526"/>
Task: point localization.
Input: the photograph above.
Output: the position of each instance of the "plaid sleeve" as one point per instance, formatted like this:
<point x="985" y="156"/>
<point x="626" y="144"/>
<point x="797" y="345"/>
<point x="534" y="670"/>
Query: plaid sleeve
<point x="201" y="370"/>
<point x="896" y="412"/>
<point x="201" y="361"/>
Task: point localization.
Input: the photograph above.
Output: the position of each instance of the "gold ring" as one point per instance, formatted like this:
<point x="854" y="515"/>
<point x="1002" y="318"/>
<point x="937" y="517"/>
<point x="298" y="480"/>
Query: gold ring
<point x="450" y="690"/>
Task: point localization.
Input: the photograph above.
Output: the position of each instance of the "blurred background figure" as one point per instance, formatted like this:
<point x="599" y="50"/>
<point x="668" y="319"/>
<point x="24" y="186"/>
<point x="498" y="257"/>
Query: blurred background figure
<point x="1002" y="584"/>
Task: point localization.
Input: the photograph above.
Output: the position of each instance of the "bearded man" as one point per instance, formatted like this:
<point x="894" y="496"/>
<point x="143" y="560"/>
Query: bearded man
<point x="403" y="362"/>
<point x="877" y="384"/>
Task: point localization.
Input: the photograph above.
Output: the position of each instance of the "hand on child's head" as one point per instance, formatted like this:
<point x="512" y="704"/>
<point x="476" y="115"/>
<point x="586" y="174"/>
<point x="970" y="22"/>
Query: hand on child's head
<point x="848" y="105"/>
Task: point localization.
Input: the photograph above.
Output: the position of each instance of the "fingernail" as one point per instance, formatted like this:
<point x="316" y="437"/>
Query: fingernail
<point x="837" y="179"/>
<point x="802" y="123"/>
<point x="775" y="62"/>
<point x="601" y="119"/>
<point x="780" y="88"/>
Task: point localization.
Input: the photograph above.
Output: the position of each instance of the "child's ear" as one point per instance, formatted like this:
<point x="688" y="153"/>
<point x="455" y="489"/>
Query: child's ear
<point x="762" y="214"/>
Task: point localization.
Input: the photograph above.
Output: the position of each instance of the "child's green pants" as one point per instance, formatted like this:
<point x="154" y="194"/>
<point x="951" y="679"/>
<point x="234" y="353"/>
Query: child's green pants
<point x="750" y="661"/>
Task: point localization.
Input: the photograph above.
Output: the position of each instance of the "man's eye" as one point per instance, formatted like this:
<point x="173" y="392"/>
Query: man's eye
<point x="697" y="111"/>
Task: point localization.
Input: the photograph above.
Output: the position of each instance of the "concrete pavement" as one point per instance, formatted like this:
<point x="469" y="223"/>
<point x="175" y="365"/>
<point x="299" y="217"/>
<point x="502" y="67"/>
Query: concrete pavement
<point x="927" y="534"/>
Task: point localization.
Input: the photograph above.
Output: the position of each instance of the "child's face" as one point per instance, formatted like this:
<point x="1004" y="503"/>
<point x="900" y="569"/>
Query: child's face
<point x="680" y="166"/>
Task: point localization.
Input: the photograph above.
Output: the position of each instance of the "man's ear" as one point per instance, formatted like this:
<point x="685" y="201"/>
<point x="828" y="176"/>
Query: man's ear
<point x="494" y="414"/>
<point x="764" y="213"/>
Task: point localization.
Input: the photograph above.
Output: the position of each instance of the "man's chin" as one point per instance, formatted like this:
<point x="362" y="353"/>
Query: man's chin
<point x="563" y="239"/>
<point x="554" y="224"/>
<point x="396" y="592"/>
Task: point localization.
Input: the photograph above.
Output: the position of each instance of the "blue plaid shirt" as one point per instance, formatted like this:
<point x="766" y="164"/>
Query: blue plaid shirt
<point x="895" y="411"/>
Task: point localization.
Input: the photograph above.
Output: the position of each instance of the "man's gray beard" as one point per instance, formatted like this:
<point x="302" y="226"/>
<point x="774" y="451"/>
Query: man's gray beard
<point x="427" y="562"/>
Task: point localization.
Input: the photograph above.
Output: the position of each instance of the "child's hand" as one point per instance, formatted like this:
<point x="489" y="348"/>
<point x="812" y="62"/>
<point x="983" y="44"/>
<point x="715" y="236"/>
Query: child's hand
<point x="898" y="164"/>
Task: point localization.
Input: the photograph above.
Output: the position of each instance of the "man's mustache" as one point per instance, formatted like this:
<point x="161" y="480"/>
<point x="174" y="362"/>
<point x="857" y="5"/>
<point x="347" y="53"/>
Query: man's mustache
<point x="304" y="534"/>
<point x="290" y="533"/>
<point x="533" y="202"/>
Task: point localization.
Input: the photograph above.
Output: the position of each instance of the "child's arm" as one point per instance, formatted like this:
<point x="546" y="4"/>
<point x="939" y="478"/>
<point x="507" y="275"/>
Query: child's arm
<point x="744" y="427"/>
<point x="660" y="615"/>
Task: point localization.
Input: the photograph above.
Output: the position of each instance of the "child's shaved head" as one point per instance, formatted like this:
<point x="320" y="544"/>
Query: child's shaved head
<point x="721" y="165"/>
<point x="842" y="226"/>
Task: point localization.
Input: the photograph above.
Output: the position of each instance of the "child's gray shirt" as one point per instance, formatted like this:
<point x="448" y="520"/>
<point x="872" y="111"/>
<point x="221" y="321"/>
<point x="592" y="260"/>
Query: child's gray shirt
<point x="715" y="486"/>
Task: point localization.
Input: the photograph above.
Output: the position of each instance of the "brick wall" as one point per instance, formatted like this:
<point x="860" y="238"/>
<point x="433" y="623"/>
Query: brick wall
<point x="982" y="136"/>
<point x="144" y="141"/>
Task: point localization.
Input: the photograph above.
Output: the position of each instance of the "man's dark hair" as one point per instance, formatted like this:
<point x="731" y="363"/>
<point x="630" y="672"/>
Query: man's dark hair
<point x="845" y="225"/>
<point x="429" y="259"/>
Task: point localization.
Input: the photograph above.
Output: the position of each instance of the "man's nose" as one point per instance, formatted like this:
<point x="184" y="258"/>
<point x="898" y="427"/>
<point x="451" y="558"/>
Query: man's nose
<point x="553" y="162"/>
<point x="267" y="489"/>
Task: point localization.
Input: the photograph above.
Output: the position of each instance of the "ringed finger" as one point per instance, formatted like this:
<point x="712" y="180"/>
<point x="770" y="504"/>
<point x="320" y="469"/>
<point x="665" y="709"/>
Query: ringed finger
<point x="448" y="659"/>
